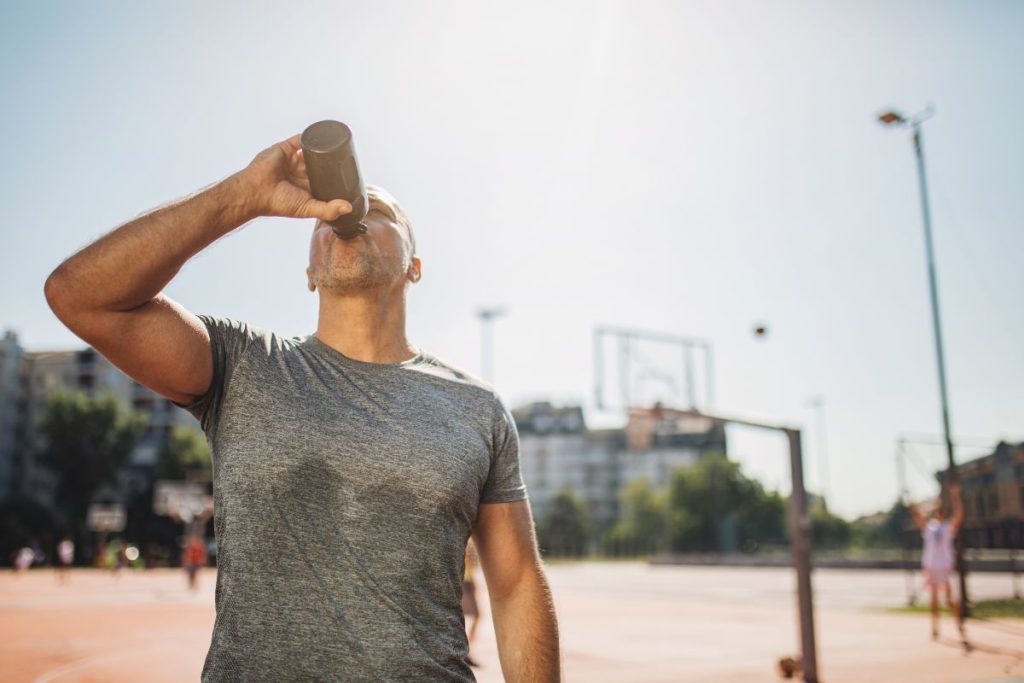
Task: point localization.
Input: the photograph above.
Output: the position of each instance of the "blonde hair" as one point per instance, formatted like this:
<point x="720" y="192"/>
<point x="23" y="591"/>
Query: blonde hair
<point x="375" y="193"/>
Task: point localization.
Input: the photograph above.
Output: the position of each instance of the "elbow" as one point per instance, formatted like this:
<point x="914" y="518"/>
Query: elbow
<point x="53" y="291"/>
<point x="64" y="297"/>
<point x="57" y="292"/>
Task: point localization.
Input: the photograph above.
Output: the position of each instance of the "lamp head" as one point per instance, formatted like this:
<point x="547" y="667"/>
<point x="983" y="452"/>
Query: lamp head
<point x="892" y="118"/>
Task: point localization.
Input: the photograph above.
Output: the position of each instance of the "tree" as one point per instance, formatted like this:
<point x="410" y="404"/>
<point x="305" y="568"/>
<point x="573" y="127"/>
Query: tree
<point x="889" y="529"/>
<point x="183" y="452"/>
<point x="22" y="522"/>
<point x="828" y="530"/>
<point x="86" y="440"/>
<point x="642" y="519"/>
<point x="764" y="520"/>
<point x="566" y="527"/>
<point x="713" y="506"/>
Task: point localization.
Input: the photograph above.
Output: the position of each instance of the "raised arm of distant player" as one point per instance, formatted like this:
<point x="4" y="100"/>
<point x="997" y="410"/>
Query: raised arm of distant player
<point x="958" y="506"/>
<point x="919" y="517"/>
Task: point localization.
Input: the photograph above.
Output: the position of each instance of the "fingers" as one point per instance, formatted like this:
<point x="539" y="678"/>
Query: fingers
<point x="299" y="166"/>
<point x="326" y="211"/>
<point x="338" y="208"/>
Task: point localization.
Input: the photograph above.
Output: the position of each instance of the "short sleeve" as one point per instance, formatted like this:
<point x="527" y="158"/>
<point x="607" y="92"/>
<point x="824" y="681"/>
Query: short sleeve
<point x="505" y="481"/>
<point x="229" y="340"/>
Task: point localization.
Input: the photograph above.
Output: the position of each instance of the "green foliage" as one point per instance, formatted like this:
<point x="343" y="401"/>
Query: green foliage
<point x="23" y="520"/>
<point x="1004" y="608"/>
<point x="763" y="520"/>
<point x="87" y="439"/>
<point x="642" y="520"/>
<point x="996" y="608"/>
<point x="709" y="507"/>
<point x="183" y="451"/>
<point x="713" y="507"/>
<point x="892" y="531"/>
<point x="828" y="530"/>
<point x="566" y="528"/>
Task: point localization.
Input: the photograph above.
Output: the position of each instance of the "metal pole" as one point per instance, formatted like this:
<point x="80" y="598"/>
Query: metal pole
<point x="598" y="369"/>
<point x="1014" y="534"/>
<point x="486" y="369"/>
<point x="688" y="370"/>
<point x="961" y="566"/>
<point x="901" y="473"/>
<point x="1013" y="573"/>
<point x="818" y="402"/>
<point x="487" y="316"/>
<point x="800" y="533"/>
<point x="624" y="370"/>
<point x="709" y="372"/>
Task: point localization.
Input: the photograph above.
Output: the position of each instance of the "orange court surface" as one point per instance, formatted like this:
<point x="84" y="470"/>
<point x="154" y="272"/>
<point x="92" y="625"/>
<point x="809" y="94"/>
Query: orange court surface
<point x="619" y="621"/>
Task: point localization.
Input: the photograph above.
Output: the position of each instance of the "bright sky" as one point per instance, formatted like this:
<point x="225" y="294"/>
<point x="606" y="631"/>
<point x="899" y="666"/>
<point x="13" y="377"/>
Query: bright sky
<point x="687" y="168"/>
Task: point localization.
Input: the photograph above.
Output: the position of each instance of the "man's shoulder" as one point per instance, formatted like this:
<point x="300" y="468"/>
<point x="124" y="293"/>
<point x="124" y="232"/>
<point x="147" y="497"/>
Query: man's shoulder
<point x="249" y="333"/>
<point x="432" y="366"/>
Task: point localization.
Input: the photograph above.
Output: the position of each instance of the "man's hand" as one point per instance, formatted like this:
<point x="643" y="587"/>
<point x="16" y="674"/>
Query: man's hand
<point x="277" y="185"/>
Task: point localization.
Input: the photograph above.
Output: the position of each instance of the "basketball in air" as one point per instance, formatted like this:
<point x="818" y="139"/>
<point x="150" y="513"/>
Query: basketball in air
<point x="760" y="331"/>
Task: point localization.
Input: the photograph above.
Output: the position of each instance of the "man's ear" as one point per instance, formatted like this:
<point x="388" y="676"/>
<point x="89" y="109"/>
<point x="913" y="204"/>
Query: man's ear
<point x="309" y="279"/>
<point x="415" y="271"/>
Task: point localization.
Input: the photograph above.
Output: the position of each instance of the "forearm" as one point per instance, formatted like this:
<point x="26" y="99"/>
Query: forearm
<point x="527" y="632"/>
<point x="919" y="519"/>
<point x="130" y="265"/>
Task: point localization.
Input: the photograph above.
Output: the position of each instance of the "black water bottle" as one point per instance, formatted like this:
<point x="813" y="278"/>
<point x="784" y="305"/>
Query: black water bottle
<point x="334" y="173"/>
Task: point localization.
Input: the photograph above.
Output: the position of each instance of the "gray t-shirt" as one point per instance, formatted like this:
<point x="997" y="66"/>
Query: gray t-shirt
<point x="345" y="492"/>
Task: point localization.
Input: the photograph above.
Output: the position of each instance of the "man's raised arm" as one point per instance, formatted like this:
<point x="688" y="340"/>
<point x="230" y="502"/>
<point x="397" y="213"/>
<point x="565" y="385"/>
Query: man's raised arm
<point x="110" y="292"/>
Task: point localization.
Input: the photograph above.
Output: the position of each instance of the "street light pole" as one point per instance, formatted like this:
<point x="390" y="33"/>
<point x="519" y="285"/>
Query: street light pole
<point x="487" y="316"/>
<point x="901" y="474"/>
<point x="818" y="403"/>
<point x="894" y="118"/>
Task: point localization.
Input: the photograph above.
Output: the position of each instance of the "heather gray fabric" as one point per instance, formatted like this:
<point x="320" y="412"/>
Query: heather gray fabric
<point x="345" y="492"/>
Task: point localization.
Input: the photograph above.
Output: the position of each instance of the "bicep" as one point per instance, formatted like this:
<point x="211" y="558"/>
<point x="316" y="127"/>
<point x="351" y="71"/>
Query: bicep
<point x="160" y="345"/>
<point x="506" y="543"/>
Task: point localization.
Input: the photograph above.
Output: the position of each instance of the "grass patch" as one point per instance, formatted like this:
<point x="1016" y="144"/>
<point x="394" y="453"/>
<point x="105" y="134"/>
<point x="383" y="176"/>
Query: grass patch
<point x="1002" y="608"/>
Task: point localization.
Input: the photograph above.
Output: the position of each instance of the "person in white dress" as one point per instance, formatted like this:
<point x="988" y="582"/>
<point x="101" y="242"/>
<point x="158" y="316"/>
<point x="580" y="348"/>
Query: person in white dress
<point x="938" y="558"/>
<point x="65" y="558"/>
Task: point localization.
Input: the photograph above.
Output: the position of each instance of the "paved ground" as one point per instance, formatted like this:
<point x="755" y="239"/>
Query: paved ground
<point x="622" y="622"/>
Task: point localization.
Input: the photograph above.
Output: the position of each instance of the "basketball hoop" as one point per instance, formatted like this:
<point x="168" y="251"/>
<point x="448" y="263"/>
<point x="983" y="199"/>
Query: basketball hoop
<point x="106" y="519"/>
<point x="182" y="501"/>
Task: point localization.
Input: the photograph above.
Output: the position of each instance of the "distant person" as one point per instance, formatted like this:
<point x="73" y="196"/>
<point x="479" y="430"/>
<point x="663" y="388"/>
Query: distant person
<point x="470" y="608"/>
<point x="23" y="559"/>
<point x="193" y="558"/>
<point x="116" y="556"/>
<point x="350" y="467"/>
<point x="122" y="556"/>
<point x="65" y="558"/>
<point x="938" y="557"/>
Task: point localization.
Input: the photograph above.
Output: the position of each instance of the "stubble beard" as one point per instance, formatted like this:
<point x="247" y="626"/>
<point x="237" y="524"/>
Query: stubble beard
<point x="359" y="273"/>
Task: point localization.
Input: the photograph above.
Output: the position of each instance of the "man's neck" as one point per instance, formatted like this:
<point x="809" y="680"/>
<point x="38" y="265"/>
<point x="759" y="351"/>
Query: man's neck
<point x="368" y="327"/>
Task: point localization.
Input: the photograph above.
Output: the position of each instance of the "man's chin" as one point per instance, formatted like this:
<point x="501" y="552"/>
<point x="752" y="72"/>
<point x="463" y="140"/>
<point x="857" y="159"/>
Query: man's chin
<point x="350" y="283"/>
